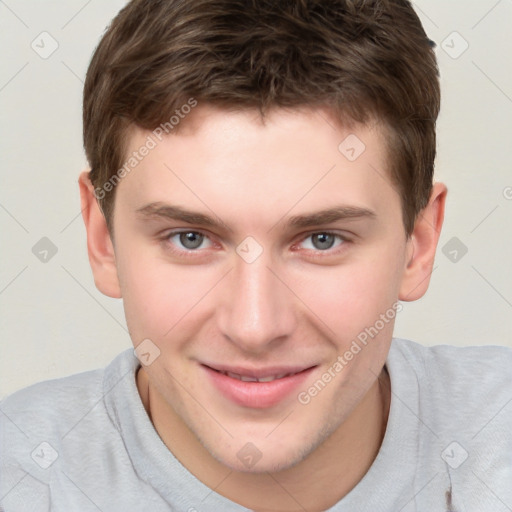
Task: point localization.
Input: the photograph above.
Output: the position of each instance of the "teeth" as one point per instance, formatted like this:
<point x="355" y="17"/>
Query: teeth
<point x="267" y="379"/>
<point x="247" y="379"/>
<point x="254" y="379"/>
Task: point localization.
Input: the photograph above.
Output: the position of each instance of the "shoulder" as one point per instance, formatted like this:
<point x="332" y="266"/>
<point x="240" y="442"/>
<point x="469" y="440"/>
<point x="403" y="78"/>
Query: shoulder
<point x="49" y="404"/>
<point x="35" y="421"/>
<point x="50" y="401"/>
<point x="461" y="398"/>
<point x="463" y="385"/>
<point x="485" y="365"/>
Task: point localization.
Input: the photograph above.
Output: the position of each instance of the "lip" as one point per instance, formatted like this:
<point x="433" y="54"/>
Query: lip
<point x="258" y="373"/>
<point x="257" y="395"/>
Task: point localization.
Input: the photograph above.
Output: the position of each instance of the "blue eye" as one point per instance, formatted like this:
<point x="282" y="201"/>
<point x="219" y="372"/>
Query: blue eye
<point x="324" y="241"/>
<point x="190" y="240"/>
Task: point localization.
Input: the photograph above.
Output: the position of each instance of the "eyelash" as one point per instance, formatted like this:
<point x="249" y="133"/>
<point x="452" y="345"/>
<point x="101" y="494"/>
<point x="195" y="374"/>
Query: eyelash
<point x="194" y="253"/>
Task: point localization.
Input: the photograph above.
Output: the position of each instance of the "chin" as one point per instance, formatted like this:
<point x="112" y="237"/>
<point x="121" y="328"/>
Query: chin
<point x="269" y="459"/>
<point x="274" y="465"/>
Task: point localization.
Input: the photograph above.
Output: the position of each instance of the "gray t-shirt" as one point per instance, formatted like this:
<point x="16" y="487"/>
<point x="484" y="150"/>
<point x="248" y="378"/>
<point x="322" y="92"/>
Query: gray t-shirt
<point x="85" y="443"/>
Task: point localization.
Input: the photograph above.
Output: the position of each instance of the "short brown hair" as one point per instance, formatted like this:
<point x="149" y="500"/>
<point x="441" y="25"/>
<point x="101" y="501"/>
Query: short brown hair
<point x="364" y="59"/>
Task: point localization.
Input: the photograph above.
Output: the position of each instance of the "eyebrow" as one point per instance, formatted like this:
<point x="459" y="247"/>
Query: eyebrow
<point x="329" y="215"/>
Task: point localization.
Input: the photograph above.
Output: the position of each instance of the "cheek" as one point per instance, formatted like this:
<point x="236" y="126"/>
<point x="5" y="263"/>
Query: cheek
<point x="352" y="297"/>
<point x="160" y="298"/>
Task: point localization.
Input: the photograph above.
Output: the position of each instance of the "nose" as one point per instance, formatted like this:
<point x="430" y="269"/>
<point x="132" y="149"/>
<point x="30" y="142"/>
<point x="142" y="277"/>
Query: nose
<point x="257" y="309"/>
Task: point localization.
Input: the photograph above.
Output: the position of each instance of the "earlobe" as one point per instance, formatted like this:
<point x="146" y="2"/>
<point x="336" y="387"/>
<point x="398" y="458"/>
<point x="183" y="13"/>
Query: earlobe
<point x="99" y="243"/>
<point x="422" y="245"/>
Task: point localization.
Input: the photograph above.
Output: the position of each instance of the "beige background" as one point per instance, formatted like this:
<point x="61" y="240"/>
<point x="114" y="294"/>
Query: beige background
<point x="54" y="322"/>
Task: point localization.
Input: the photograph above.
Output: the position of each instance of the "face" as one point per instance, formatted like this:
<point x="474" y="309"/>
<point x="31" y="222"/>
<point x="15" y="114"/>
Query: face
<point x="260" y="251"/>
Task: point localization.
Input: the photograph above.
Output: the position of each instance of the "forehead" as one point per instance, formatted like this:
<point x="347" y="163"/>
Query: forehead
<point x="237" y="161"/>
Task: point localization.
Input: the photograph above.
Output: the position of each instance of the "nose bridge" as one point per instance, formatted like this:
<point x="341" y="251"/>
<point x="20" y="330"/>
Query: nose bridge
<point x="257" y="309"/>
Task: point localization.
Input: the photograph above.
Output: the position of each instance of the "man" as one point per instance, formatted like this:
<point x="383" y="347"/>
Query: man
<point x="261" y="196"/>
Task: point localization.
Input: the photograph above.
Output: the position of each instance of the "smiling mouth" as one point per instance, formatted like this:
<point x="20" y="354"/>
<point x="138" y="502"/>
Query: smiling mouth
<point x="257" y="388"/>
<point x="245" y="378"/>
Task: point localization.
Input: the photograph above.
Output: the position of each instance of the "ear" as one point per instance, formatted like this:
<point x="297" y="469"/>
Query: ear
<point x="422" y="245"/>
<point x="99" y="244"/>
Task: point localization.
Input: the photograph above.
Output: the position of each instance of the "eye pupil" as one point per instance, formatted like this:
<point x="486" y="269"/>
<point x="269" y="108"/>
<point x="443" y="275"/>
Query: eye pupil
<point x="191" y="240"/>
<point x="323" y="240"/>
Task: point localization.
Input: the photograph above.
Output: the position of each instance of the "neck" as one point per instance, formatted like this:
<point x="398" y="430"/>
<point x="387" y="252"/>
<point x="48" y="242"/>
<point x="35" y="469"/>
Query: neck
<point x="338" y="464"/>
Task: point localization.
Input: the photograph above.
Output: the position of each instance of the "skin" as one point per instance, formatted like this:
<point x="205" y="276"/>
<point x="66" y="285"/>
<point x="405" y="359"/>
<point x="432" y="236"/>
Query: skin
<point x="298" y="303"/>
